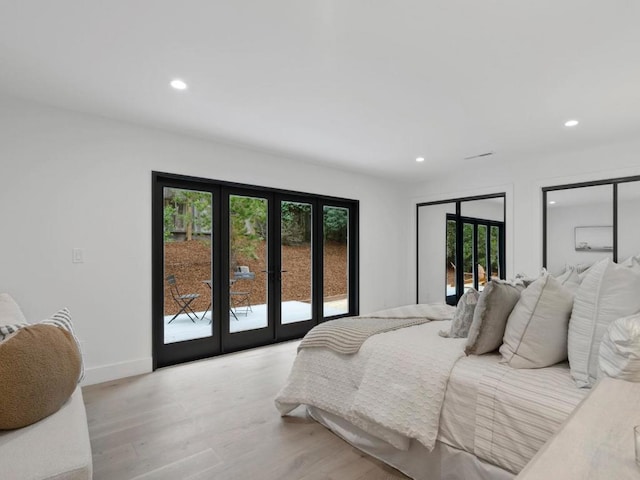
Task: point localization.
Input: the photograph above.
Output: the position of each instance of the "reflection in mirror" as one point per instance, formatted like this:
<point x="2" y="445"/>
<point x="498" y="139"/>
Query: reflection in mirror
<point x="475" y="241"/>
<point x="436" y="260"/>
<point x="628" y="220"/>
<point x="483" y="241"/>
<point x="577" y="219"/>
<point x="486" y="209"/>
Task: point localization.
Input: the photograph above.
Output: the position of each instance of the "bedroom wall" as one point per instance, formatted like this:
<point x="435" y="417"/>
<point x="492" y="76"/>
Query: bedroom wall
<point x="69" y="180"/>
<point x="522" y="179"/>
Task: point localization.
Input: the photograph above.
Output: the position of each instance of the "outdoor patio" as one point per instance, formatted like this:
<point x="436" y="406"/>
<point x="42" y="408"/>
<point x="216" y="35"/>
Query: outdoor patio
<point x="182" y="328"/>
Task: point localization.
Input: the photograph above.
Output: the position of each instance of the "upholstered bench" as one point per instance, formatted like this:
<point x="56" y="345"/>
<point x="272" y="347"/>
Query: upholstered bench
<point x="57" y="447"/>
<point x="43" y="422"/>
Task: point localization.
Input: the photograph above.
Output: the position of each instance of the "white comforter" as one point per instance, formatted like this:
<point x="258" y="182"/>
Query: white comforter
<point x="393" y="393"/>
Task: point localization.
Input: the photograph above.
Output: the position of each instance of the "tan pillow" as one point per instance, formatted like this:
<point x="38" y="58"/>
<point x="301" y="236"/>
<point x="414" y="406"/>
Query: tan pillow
<point x="536" y="333"/>
<point x="490" y="317"/>
<point x="39" y="368"/>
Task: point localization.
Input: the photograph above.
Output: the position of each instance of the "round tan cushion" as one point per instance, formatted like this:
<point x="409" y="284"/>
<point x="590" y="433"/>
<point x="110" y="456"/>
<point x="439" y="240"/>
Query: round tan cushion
<point x="39" y="368"/>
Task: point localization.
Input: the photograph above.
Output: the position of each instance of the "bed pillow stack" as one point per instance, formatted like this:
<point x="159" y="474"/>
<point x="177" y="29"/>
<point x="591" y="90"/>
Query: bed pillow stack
<point x="609" y="291"/>
<point x="536" y="331"/>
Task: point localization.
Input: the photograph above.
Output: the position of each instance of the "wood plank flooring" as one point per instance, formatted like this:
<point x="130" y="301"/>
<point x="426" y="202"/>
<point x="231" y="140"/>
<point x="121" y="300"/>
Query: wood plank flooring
<point x="215" y="419"/>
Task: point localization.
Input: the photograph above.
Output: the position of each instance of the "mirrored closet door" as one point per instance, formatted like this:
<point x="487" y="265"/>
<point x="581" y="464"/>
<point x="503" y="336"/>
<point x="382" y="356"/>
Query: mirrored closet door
<point x="460" y="245"/>
<point x="586" y="222"/>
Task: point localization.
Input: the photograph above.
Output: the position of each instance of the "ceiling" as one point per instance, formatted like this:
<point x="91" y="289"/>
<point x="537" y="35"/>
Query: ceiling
<point x="364" y="85"/>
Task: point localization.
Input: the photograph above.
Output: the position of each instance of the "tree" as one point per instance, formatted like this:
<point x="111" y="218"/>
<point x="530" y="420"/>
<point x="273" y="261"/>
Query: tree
<point x="248" y="226"/>
<point x="336" y="222"/>
<point x="190" y="208"/>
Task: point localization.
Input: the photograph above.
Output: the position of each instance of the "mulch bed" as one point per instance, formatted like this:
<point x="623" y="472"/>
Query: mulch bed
<point x="190" y="262"/>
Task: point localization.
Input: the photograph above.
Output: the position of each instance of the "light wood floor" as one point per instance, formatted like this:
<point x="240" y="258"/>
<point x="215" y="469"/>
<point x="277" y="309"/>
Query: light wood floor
<point x="215" y="419"/>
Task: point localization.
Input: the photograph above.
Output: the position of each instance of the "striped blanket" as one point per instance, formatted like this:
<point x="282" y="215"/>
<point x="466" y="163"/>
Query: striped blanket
<point x="346" y="335"/>
<point x="517" y="411"/>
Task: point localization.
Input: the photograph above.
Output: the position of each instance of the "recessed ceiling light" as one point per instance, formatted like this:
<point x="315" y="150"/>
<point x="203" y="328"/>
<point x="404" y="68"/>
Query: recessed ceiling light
<point x="178" y="84"/>
<point x="571" y="123"/>
<point x="552" y="202"/>
<point x="420" y="159"/>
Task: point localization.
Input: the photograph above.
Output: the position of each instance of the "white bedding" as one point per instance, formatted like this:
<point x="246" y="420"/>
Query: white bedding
<point x="393" y="393"/>
<point x="518" y="410"/>
<point x="502" y="415"/>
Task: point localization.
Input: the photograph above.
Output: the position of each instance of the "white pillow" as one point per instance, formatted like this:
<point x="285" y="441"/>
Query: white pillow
<point x="536" y="333"/>
<point x="609" y="291"/>
<point x="620" y="349"/>
<point x="570" y="278"/>
<point x="10" y="312"/>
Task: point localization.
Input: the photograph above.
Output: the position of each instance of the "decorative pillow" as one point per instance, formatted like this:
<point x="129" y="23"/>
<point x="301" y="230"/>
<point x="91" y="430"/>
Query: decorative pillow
<point x="608" y="292"/>
<point x="536" y="333"/>
<point x="60" y="319"/>
<point x="490" y="317"/>
<point x="39" y="368"/>
<point x="10" y="312"/>
<point x="620" y="349"/>
<point x="464" y="315"/>
<point x="570" y="278"/>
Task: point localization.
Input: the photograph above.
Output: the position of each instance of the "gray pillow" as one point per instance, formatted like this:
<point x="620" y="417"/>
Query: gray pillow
<point x="463" y="317"/>
<point x="490" y="317"/>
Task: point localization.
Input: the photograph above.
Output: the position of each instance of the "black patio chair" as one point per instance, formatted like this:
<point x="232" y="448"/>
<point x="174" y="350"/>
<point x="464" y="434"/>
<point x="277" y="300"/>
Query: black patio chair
<point x="183" y="300"/>
<point x="240" y="292"/>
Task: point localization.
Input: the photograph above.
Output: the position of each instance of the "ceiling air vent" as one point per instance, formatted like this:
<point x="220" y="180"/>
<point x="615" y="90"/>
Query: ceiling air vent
<point x="472" y="157"/>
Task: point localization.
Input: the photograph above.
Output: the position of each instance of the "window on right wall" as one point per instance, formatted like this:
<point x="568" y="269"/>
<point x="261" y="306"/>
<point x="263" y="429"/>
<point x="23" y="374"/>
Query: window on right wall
<point x="586" y="222"/>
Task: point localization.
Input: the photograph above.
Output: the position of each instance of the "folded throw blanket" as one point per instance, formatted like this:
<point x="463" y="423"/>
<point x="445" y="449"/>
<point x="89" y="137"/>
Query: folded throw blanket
<point x="346" y="335"/>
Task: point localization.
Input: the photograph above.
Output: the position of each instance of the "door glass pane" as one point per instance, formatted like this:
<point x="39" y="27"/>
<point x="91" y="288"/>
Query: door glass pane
<point x="482" y="266"/>
<point x="296" y="221"/>
<point x="450" y="266"/>
<point x="248" y="266"/>
<point x="495" y="253"/>
<point x="628" y="220"/>
<point x="187" y="264"/>
<point x="579" y="227"/>
<point x="468" y="260"/>
<point x="336" y="263"/>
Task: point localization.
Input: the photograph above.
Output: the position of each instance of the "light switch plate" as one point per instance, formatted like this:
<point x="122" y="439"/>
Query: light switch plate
<point x="77" y="255"/>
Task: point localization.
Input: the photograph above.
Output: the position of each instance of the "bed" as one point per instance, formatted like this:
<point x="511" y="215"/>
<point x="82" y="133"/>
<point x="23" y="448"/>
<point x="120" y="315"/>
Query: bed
<point x="412" y="399"/>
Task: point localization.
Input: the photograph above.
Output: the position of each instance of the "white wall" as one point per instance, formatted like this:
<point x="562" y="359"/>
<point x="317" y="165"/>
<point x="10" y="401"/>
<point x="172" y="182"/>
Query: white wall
<point x="70" y="180"/>
<point x="522" y="179"/>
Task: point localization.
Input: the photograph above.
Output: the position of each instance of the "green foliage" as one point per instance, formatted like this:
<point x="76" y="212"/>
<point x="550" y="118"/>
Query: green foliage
<point x="169" y="221"/>
<point x="336" y="222"/>
<point x="190" y="208"/>
<point x="467" y="245"/>
<point x="248" y="224"/>
<point x="296" y="223"/>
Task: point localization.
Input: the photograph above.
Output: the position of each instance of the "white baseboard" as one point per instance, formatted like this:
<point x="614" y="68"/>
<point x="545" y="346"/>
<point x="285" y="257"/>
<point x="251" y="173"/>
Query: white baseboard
<point x="116" y="371"/>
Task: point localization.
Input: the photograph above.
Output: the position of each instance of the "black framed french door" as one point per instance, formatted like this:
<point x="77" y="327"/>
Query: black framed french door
<point x="186" y="266"/>
<point x="238" y="266"/>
